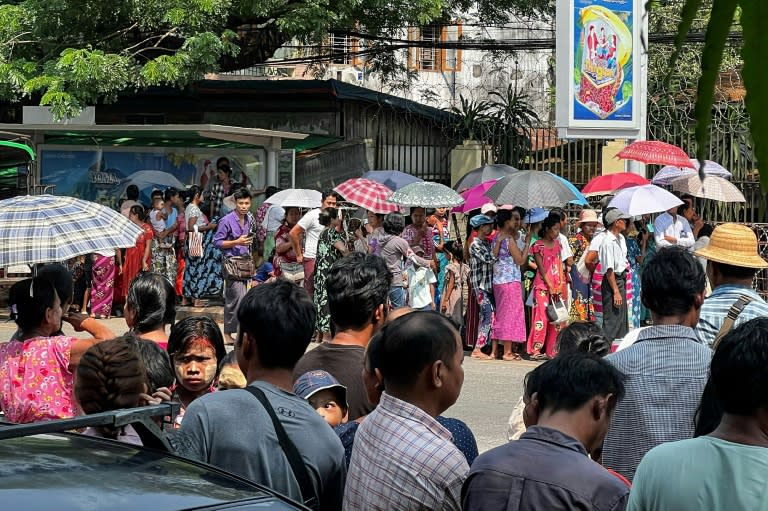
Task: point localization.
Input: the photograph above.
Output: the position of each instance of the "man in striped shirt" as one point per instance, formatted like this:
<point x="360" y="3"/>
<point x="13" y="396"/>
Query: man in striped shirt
<point x="666" y="368"/>
<point x="732" y="261"/>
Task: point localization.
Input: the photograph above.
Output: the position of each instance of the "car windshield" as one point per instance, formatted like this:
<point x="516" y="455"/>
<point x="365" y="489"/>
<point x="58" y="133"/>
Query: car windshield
<point x="77" y="472"/>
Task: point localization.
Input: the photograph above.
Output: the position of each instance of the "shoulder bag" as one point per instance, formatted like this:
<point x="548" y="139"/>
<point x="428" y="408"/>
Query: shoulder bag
<point x="293" y="272"/>
<point x="238" y="267"/>
<point x="298" y="466"/>
<point x="730" y="319"/>
<point x="195" y="242"/>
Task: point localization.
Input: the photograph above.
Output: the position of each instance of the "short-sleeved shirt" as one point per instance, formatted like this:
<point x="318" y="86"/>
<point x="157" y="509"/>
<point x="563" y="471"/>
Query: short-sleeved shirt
<point x="505" y="269"/>
<point x="613" y="253"/>
<point x="310" y="222"/>
<point x="716" y="306"/>
<point x="229" y="229"/>
<point x="565" y="247"/>
<point x="666" y="370"/>
<point x="35" y="379"/>
<point x="701" y="473"/>
<point x="419" y="280"/>
<point x="193" y="211"/>
<point x="232" y="430"/>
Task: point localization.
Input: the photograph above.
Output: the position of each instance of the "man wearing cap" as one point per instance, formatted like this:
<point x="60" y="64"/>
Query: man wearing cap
<point x="733" y="259"/>
<point x="613" y="263"/>
<point x="325" y="394"/>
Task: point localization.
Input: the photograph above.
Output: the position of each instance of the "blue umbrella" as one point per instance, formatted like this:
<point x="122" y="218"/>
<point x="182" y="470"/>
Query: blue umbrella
<point x="580" y="200"/>
<point x="49" y="228"/>
<point x="392" y="179"/>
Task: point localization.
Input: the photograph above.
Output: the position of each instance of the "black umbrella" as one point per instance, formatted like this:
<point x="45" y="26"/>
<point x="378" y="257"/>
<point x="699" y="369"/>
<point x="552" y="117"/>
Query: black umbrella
<point x="483" y="174"/>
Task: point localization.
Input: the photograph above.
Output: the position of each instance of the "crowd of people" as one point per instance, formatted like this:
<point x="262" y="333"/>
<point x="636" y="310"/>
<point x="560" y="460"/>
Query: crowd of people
<point x="669" y="415"/>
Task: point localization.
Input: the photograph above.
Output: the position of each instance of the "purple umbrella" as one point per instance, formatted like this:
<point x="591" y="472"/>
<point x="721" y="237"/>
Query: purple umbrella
<point x="475" y="198"/>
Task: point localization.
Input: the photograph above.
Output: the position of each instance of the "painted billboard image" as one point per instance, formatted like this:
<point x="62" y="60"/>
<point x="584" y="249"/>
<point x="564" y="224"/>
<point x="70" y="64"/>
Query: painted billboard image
<point x="103" y="175"/>
<point x="603" y="60"/>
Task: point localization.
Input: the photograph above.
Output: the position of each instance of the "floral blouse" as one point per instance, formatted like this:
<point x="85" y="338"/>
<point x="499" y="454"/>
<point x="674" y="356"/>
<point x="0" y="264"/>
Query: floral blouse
<point x="35" y="379"/>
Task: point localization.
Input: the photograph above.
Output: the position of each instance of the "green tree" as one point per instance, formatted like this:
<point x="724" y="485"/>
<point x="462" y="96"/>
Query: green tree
<point x="722" y="14"/>
<point x="70" y="53"/>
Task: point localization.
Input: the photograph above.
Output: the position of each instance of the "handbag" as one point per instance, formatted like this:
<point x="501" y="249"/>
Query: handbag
<point x="195" y="242"/>
<point x="293" y="272"/>
<point x="557" y="312"/>
<point x="297" y="464"/>
<point x="238" y="267"/>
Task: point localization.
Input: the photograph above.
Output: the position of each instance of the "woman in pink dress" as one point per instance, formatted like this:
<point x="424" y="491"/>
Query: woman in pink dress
<point x="37" y="366"/>
<point x="548" y="283"/>
<point x="103" y="282"/>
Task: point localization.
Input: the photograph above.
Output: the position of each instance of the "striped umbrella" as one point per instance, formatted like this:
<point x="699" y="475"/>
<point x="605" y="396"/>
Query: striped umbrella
<point x="48" y="228"/>
<point x="669" y="173"/>
<point x="367" y="194"/>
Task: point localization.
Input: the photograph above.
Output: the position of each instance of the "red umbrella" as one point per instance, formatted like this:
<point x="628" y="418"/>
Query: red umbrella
<point x="609" y="183"/>
<point x="367" y="194"/>
<point x="654" y="151"/>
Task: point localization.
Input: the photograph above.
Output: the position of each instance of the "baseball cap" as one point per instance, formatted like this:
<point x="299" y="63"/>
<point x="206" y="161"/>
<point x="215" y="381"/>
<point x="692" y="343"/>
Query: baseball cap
<point x="613" y="215"/>
<point x="488" y="208"/>
<point x="480" y="220"/>
<point x="312" y="382"/>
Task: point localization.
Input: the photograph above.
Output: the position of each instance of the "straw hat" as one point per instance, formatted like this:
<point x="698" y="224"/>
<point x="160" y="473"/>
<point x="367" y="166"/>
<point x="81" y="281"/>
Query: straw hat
<point x="587" y="216"/>
<point x="733" y="244"/>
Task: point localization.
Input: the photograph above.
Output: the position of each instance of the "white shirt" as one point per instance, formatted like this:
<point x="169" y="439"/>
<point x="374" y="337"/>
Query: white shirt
<point x="565" y="247"/>
<point x="613" y="253"/>
<point x="678" y="228"/>
<point x="273" y="218"/>
<point x="313" y="228"/>
<point x="419" y="292"/>
<point x="597" y="240"/>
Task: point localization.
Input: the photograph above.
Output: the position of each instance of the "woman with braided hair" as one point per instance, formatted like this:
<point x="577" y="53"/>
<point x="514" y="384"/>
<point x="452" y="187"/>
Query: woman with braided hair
<point x="111" y="376"/>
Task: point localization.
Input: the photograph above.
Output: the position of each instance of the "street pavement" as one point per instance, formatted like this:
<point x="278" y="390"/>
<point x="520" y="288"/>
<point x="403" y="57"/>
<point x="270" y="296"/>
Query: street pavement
<point x="491" y="388"/>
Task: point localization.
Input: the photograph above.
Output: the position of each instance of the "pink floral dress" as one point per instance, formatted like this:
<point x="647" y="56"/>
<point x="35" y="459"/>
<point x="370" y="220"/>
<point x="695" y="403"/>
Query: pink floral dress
<point x="35" y="380"/>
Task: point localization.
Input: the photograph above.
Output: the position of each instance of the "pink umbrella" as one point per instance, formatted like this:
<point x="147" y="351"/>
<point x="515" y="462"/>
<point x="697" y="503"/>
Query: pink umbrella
<point x="367" y="194"/>
<point x="475" y="198"/>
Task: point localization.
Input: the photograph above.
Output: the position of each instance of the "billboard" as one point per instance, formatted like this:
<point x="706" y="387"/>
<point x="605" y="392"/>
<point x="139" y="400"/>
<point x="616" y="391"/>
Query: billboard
<point x="600" y="68"/>
<point x="102" y="175"/>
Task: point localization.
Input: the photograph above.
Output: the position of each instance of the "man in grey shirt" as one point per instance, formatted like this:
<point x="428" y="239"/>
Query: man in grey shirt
<point x="232" y="429"/>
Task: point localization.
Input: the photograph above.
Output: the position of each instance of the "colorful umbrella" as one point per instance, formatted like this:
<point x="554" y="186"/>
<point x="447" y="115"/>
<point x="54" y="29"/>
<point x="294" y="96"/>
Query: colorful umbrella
<point x="48" y="228"/>
<point x="367" y="194"/>
<point x="426" y="195"/>
<point x="609" y="183"/>
<point x="580" y="199"/>
<point x="669" y="173"/>
<point x="656" y="152"/>
<point x="482" y="174"/>
<point x="644" y="199"/>
<point x="296" y="198"/>
<point x="392" y="179"/>
<point x="475" y="198"/>
<point x="712" y="187"/>
<point x="533" y="188"/>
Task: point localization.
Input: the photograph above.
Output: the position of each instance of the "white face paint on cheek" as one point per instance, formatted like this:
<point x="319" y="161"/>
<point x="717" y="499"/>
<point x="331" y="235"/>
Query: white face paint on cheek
<point x="210" y="371"/>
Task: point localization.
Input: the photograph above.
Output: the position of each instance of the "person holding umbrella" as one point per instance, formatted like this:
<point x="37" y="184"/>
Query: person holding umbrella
<point x="613" y="261"/>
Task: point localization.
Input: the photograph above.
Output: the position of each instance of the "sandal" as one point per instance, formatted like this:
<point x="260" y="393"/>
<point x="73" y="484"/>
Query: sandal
<point x="511" y="357"/>
<point x="479" y="355"/>
<point x="540" y="356"/>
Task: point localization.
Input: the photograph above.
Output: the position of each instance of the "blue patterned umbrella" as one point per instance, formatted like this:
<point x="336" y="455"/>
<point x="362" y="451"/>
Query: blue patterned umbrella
<point x="48" y="228"/>
<point x="392" y="179"/>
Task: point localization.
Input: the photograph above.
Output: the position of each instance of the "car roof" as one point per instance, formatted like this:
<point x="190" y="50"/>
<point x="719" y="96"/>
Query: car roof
<point x="77" y="472"/>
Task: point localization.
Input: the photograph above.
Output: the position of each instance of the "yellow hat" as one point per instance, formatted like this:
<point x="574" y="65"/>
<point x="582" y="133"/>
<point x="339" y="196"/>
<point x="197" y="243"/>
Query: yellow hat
<point x="733" y="244"/>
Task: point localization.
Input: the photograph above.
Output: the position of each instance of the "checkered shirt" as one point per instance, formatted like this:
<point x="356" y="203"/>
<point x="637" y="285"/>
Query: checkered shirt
<point x="403" y="459"/>
<point x="481" y="265"/>
<point x="666" y="371"/>
<point x="217" y="199"/>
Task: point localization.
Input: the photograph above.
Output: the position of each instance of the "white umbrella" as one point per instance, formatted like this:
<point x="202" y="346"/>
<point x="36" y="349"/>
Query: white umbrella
<point x="296" y="198"/>
<point x="641" y="200"/>
<point x="712" y="187"/>
<point x="49" y="228"/>
<point x="426" y="195"/>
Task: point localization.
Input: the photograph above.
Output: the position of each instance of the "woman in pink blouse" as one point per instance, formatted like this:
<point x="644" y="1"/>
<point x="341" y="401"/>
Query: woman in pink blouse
<point x="37" y="366"/>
